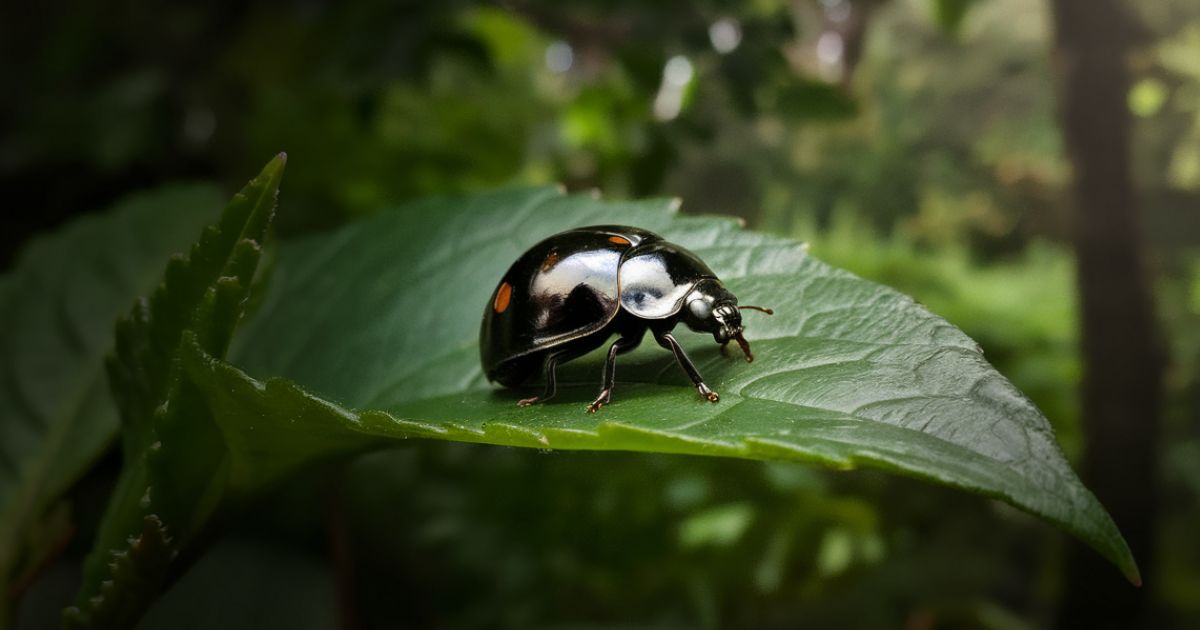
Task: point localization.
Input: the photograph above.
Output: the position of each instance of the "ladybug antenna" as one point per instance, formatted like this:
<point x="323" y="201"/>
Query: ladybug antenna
<point x="758" y="308"/>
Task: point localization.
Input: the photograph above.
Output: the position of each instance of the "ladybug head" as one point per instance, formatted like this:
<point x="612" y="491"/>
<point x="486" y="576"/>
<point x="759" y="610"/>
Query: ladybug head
<point x="711" y="308"/>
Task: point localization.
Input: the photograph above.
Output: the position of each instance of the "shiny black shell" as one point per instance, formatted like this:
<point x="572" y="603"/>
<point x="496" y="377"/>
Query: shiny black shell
<point x="571" y="286"/>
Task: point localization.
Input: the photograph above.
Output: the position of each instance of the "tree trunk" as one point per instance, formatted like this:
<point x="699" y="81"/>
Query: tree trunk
<point x="1122" y="360"/>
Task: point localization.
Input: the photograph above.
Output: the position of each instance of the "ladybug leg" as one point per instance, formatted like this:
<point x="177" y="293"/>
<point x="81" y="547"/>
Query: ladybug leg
<point x="620" y="346"/>
<point x="548" y="368"/>
<point x="666" y="340"/>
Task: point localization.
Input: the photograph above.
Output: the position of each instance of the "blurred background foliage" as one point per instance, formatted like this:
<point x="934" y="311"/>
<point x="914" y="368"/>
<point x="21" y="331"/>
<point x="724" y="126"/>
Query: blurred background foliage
<point x="914" y="142"/>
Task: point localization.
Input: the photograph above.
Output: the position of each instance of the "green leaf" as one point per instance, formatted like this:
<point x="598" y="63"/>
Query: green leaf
<point x="57" y="308"/>
<point x="369" y="335"/>
<point x="949" y="14"/>
<point x="811" y="99"/>
<point x="171" y="448"/>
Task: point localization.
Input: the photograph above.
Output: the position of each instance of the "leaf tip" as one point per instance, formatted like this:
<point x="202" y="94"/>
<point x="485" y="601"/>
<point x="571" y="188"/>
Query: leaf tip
<point x="1124" y="561"/>
<point x="273" y="171"/>
<point x="1123" y="558"/>
<point x="1132" y="573"/>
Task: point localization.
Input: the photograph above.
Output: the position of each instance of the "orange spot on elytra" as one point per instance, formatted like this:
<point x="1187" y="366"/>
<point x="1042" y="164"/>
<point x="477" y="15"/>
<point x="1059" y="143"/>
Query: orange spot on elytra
<point x="550" y="261"/>
<point x="619" y="240"/>
<point x="503" y="295"/>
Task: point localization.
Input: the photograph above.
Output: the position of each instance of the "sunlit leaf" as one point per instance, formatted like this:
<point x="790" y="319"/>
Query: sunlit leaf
<point x="369" y="334"/>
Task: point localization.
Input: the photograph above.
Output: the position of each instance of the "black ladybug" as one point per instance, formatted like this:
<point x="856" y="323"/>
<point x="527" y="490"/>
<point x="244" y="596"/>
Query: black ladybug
<point x="569" y="293"/>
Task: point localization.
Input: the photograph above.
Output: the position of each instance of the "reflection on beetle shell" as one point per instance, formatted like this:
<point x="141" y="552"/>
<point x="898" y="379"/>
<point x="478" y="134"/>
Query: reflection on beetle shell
<point x="656" y="279"/>
<point x="577" y="282"/>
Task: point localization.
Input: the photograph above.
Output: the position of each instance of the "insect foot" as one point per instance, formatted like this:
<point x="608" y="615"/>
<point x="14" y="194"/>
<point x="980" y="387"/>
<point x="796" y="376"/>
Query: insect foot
<point x="604" y="398"/>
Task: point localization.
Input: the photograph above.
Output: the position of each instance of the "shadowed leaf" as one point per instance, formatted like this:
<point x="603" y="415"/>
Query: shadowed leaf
<point x="57" y="308"/>
<point x="167" y="439"/>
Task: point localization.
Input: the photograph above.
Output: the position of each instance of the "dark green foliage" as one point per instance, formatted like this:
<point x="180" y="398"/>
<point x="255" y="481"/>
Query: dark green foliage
<point x="849" y="374"/>
<point x="172" y="454"/>
<point x="938" y="141"/>
<point x="56" y="318"/>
